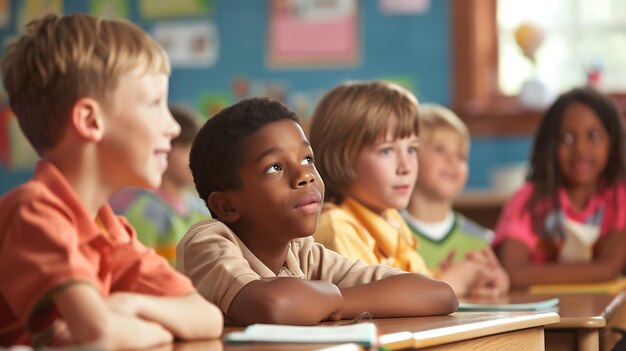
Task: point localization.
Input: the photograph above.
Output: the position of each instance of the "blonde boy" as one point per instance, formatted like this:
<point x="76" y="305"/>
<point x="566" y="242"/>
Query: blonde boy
<point x="91" y="97"/>
<point x="445" y="236"/>
<point x="365" y="137"/>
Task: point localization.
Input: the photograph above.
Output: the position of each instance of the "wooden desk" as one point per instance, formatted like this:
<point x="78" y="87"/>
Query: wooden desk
<point x="459" y="331"/>
<point x="586" y="320"/>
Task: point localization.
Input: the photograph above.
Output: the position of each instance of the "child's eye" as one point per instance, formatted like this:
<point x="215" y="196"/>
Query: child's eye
<point x="307" y="160"/>
<point x="438" y="149"/>
<point x="273" y="169"/>
<point x="567" y="139"/>
<point x="386" y="151"/>
<point x="413" y="149"/>
<point x="594" y="136"/>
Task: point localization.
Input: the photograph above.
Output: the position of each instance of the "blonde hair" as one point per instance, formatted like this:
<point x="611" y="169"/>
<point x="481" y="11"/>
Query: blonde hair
<point x="354" y="115"/>
<point x="61" y="59"/>
<point x="436" y="117"/>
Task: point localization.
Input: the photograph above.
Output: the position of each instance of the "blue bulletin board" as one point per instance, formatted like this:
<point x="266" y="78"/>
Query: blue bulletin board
<point x="412" y="49"/>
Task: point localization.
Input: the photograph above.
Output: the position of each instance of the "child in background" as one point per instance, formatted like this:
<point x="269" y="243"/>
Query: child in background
<point x="365" y="136"/>
<point x="161" y="217"/>
<point x="567" y="223"/>
<point x="254" y="168"/>
<point x="444" y="235"/>
<point x="72" y="272"/>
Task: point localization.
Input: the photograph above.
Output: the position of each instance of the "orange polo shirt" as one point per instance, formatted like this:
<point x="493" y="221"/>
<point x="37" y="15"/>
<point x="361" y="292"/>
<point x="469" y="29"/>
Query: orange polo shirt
<point x="48" y="240"/>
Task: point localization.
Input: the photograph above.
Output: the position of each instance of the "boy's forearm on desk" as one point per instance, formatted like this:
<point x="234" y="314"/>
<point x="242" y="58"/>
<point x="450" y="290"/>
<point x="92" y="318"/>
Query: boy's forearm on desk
<point x="285" y="301"/>
<point x="400" y="296"/>
<point x="187" y="317"/>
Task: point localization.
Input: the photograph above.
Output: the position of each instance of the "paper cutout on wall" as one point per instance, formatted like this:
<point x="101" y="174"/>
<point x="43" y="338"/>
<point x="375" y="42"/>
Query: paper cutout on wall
<point x="16" y="153"/>
<point x="188" y="44"/>
<point x="404" y="7"/>
<point x="110" y="8"/>
<point x="5" y="13"/>
<point x="159" y="9"/>
<point x="314" y="33"/>
<point x="211" y="102"/>
<point x="32" y="9"/>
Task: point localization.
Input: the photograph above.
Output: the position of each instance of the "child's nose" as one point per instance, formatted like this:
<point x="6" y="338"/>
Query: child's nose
<point x="173" y="128"/>
<point x="305" y="178"/>
<point x="405" y="164"/>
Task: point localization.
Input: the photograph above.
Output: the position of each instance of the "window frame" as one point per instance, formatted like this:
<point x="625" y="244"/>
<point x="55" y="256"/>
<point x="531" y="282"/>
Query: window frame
<point x="476" y="96"/>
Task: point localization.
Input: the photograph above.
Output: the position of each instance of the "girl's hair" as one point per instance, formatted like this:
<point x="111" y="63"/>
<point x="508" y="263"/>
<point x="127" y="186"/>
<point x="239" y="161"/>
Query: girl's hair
<point x="352" y="116"/>
<point x="544" y="171"/>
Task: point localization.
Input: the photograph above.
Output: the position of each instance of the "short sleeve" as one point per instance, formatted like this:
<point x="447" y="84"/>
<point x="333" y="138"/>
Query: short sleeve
<point x="327" y="265"/>
<point x="344" y="237"/>
<point x="515" y="222"/>
<point x="210" y="256"/>
<point x="141" y="270"/>
<point x="39" y="253"/>
<point x="617" y="203"/>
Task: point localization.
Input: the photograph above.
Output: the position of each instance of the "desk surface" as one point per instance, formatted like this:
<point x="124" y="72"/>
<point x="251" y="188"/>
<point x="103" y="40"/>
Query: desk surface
<point x="412" y="332"/>
<point x="576" y="310"/>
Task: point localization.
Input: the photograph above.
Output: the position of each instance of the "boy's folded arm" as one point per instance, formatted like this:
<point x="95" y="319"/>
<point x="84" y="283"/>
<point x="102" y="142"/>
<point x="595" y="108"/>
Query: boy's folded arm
<point x="285" y="300"/>
<point x="186" y="317"/>
<point x="606" y="265"/>
<point x="91" y="322"/>
<point x="402" y="295"/>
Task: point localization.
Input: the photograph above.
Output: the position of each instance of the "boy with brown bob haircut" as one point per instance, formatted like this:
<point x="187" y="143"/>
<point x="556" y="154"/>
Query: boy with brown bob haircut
<point x="91" y="97"/>
<point x="254" y="168"/>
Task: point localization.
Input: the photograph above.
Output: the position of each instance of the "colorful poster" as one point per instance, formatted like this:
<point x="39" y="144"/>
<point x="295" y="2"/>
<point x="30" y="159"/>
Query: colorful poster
<point x="159" y="9"/>
<point x="22" y="155"/>
<point x="110" y="8"/>
<point x="314" y="33"/>
<point x="32" y="9"/>
<point x="5" y="13"/>
<point x="188" y="44"/>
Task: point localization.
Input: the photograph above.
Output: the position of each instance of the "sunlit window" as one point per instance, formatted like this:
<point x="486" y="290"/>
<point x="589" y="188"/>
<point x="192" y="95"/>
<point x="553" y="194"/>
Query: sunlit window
<point x="582" y="40"/>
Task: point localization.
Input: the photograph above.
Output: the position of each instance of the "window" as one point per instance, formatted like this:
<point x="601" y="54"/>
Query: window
<point x="580" y="37"/>
<point x="579" y="33"/>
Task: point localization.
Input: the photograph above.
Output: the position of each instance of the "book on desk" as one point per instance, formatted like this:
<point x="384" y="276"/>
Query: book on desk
<point x="364" y="334"/>
<point x="539" y="305"/>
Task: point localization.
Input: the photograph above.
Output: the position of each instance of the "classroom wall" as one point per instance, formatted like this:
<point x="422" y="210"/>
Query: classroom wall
<point x="411" y="49"/>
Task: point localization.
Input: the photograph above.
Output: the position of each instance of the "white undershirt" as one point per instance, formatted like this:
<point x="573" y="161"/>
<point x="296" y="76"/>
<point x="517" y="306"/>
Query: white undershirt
<point x="433" y="230"/>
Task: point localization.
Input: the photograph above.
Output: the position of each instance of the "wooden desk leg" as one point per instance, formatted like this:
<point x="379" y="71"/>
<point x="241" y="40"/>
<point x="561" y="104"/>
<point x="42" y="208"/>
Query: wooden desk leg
<point x="588" y="339"/>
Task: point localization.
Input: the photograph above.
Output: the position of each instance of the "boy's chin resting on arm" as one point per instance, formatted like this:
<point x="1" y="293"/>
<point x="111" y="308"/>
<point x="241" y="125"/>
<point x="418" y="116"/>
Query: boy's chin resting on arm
<point x="286" y="300"/>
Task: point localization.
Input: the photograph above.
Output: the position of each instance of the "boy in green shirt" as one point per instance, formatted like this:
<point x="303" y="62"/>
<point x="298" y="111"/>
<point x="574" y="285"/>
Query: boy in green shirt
<point x="445" y="235"/>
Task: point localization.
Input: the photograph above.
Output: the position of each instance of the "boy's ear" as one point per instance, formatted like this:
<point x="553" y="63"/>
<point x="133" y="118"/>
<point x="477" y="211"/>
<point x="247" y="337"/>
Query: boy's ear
<point x="223" y="207"/>
<point x="86" y="117"/>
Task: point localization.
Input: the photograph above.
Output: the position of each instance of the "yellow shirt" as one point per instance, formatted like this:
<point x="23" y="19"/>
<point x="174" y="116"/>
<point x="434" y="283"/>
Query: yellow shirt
<point x="354" y="231"/>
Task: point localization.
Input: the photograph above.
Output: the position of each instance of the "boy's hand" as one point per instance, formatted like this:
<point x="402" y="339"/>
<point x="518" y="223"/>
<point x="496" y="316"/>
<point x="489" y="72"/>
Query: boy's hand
<point x="484" y="256"/>
<point x="448" y="261"/>
<point x="494" y="281"/>
<point x="462" y="276"/>
<point x="129" y="304"/>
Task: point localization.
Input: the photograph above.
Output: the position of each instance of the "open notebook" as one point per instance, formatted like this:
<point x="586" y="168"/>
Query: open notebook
<point x="360" y="333"/>
<point x="541" y="305"/>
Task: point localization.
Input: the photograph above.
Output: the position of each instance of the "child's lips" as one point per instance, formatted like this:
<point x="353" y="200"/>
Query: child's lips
<point x="309" y="203"/>
<point x="403" y="189"/>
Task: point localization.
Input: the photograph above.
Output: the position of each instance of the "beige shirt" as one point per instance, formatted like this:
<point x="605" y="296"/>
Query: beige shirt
<point x="219" y="264"/>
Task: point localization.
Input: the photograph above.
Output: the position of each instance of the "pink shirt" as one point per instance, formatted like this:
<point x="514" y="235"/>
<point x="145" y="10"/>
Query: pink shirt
<point x="606" y="209"/>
